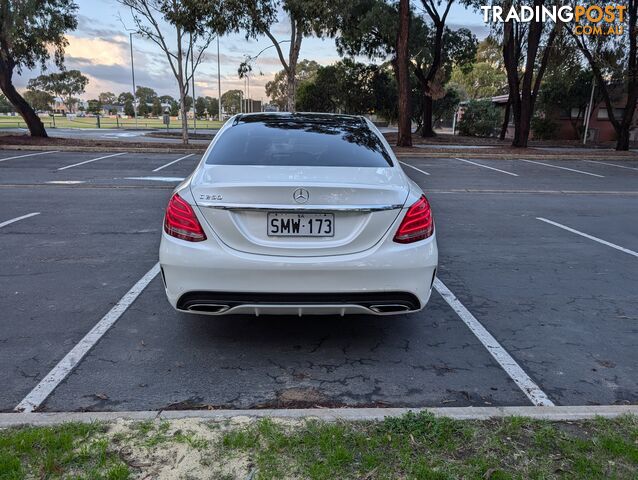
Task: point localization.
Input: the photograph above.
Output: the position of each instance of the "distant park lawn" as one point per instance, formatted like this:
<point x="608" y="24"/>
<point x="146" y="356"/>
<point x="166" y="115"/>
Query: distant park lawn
<point x="106" y="122"/>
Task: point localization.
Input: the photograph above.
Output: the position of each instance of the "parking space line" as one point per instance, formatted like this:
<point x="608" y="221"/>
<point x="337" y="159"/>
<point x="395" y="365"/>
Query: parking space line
<point x="590" y="237"/>
<point x="17" y="219"/>
<point x="611" y="164"/>
<point x="564" y="168"/>
<point x="485" y="166"/>
<point x="412" y="166"/>
<point x="27" y="155"/>
<point x="92" y="160"/>
<point x="174" y="161"/>
<point x="504" y="359"/>
<point x="157" y="179"/>
<point x="49" y="383"/>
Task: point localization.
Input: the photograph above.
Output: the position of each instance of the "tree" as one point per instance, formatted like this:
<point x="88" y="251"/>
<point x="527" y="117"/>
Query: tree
<point x="480" y="119"/>
<point x="212" y="106"/>
<point x="525" y="62"/>
<point x="614" y="62"/>
<point x="31" y="33"/>
<point x="277" y="88"/>
<point x="143" y="109"/>
<point x="404" y="138"/>
<point x="66" y="84"/>
<point x="145" y="94"/>
<point x="449" y="49"/>
<point x="156" y="109"/>
<point x="124" y="97"/>
<point x="95" y="107"/>
<point x="39" y="99"/>
<point x="5" y="106"/>
<point x="566" y="87"/>
<point x="231" y="101"/>
<point x="129" y="108"/>
<point x="107" y="98"/>
<point x="257" y="17"/>
<point x="429" y="74"/>
<point x="201" y="107"/>
<point x="487" y="78"/>
<point x="445" y="107"/>
<point x="194" y="22"/>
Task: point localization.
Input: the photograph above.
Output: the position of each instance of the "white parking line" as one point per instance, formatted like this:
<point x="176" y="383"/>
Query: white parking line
<point x="42" y="390"/>
<point x="412" y="166"/>
<point x="611" y="164"/>
<point x="565" y="168"/>
<point x="485" y="166"/>
<point x="504" y="359"/>
<point x="157" y="179"/>
<point x="92" y="160"/>
<point x="591" y="237"/>
<point x="17" y="219"/>
<point x="171" y="163"/>
<point x="27" y="155"/>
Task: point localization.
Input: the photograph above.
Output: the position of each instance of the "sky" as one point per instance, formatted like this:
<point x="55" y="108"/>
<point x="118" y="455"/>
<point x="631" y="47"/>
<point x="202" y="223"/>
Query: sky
<point x="100" y="49"/>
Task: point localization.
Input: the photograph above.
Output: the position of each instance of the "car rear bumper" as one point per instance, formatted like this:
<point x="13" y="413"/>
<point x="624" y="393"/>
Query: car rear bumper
<point x="209" y="277"/>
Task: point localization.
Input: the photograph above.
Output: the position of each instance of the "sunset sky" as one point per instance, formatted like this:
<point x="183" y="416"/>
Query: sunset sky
<point x="99" y="48"/>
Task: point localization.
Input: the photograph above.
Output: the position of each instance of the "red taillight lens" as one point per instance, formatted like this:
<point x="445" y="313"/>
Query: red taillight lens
<point x="180" y="221"/>
<point x="417" y="223"/>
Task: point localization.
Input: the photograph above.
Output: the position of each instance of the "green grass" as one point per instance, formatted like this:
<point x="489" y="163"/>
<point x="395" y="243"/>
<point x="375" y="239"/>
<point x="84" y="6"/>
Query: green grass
<point x="415" y="446"/>
<point x="420" y="446"/>
<point x="91" y="122"/>
<point x="72" y="450"/>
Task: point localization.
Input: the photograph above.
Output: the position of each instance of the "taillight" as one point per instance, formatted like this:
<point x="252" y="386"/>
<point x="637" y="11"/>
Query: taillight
<point x="180" y="221"/>
<point x="417" y="223"/>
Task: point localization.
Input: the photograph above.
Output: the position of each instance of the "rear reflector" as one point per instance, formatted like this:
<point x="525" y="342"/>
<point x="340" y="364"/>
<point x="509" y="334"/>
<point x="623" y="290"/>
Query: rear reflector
<point x="417" y="223"/>
<point x="180" y="221"/>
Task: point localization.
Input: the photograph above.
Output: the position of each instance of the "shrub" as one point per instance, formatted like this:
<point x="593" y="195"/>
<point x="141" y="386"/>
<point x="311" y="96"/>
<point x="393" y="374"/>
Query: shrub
<point x="480" y="119"/>
<point x="544" y="128"/>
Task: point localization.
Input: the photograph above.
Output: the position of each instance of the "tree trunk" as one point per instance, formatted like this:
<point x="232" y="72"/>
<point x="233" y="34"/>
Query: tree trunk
<point x="182" y="88"/>
<point x="506" y="120"/>
<point x="182" y="107"/>
<point x="404" y="138"/>
<point x="427" y="130"/>
<point x="622" y="143"/>
<point x="34" y="124"/>
<point x="290" y="92"/>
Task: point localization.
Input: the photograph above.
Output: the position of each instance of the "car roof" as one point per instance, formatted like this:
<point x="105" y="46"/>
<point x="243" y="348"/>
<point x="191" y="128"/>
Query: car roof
<point x="279" y="118"/>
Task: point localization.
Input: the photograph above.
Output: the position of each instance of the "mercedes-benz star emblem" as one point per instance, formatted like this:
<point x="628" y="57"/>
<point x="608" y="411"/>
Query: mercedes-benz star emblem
<point x="300" y="195"/>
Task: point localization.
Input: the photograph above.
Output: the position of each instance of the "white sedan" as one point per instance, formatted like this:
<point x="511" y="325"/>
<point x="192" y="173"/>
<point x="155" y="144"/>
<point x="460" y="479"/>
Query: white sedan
<point x="298" y="214"/>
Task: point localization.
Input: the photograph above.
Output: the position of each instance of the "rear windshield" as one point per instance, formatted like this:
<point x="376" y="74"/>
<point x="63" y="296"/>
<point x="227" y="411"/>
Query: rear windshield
<point x="300" y="142"/>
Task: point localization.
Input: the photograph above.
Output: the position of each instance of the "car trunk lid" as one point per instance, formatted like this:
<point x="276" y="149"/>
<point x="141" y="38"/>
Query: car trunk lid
<point x="236" y="201"/>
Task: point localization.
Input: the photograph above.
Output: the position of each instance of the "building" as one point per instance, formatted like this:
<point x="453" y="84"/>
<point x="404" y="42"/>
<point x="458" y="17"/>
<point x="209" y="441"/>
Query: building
<point x="572" y="123"/>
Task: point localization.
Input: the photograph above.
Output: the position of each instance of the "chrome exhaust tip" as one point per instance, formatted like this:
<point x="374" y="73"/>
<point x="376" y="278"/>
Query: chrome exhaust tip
<point x="389" y="308"/>
<point x="208" y="308"/>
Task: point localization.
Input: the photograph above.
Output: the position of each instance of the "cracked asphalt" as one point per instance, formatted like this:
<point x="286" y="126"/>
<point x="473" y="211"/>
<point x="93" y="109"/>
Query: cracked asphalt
<point x="565" y="307"/>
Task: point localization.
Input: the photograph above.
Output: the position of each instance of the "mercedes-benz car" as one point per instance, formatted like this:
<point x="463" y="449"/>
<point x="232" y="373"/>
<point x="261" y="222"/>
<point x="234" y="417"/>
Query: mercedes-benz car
<point x="298" y="213"/>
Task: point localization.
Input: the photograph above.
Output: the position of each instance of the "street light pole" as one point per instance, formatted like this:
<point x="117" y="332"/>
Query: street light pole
<point x="219" y="85"/>
<point x="193" y="83"/>
<point x="133" y="74"/>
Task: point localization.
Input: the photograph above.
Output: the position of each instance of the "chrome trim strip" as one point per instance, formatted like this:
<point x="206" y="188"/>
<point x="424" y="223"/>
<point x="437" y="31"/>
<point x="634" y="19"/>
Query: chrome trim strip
<point x="305" y="208"/>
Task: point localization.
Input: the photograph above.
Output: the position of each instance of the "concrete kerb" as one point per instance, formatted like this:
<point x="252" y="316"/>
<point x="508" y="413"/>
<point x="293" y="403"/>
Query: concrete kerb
<point x="557" y="413"/>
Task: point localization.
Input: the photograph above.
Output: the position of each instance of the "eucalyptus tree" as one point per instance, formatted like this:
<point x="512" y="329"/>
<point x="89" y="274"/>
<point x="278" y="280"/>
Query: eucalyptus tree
<point x="305" y="17"/>
<point x="67" y="85"/>
<point x="194" y="24"/>
<point x="614" y="62"/>
<point x="31" y="33"/>
<point x="370" y="27"/>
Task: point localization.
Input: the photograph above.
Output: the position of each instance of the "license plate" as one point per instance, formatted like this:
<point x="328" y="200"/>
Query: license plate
<point x="301" y="224"/>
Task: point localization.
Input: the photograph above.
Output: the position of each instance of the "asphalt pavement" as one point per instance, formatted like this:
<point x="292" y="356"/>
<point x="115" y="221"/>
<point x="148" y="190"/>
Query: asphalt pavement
<point x="542" y="255"/>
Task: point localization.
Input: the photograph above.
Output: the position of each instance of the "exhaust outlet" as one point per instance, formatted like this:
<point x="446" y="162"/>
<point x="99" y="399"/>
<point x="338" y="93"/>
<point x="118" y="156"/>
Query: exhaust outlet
<point x="208" y="308"/>
<point x="389" y="308"/>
